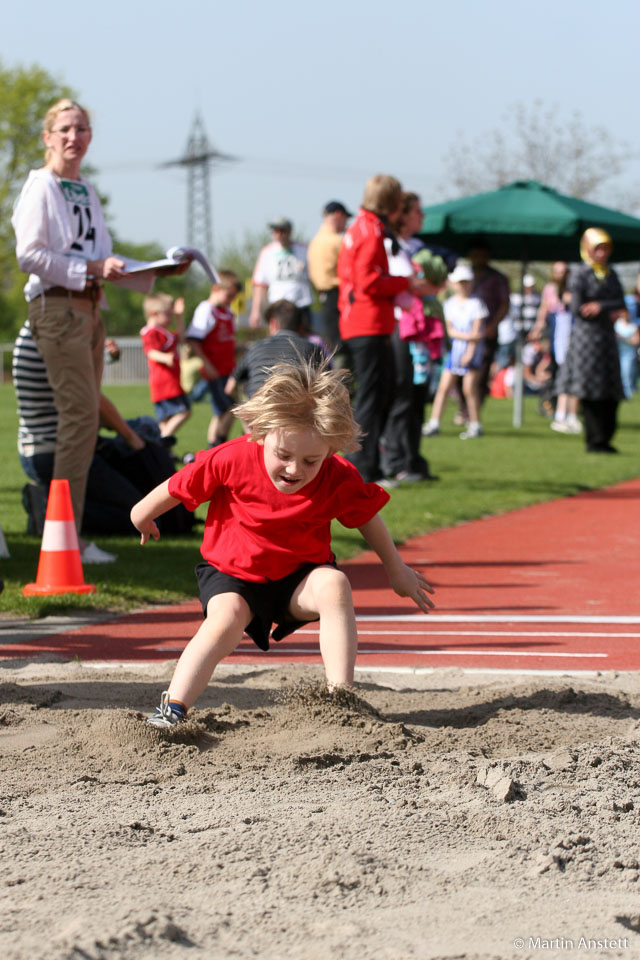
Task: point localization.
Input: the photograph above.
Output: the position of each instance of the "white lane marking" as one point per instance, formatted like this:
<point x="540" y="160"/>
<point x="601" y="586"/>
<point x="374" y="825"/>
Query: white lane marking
<point x="315" y="652"/>
<point x="497" y="618"/>
<point x="480" y="633"/>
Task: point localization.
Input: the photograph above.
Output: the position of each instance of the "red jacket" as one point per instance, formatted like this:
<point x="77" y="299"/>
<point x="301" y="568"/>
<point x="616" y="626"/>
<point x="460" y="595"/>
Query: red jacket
<point x="366" y="288"/>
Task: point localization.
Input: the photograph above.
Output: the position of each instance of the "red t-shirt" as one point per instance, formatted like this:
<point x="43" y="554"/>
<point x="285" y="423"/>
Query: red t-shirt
<point x="255" y="532"/>
<point x="215" y="327"/>
<point x="164" y="381"/>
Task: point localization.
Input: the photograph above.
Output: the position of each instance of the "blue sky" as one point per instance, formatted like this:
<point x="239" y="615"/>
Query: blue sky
<point x="315" y="98"/>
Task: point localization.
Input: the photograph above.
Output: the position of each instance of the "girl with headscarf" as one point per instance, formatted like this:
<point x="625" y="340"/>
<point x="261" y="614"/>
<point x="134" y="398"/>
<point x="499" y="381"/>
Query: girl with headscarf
<point x="592" y="367"/>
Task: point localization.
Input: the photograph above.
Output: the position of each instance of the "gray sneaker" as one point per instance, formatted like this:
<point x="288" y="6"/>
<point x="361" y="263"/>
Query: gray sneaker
<point x="164" y="715"/>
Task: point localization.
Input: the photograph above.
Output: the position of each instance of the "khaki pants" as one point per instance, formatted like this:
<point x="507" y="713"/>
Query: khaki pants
<point x="70" y="336"/>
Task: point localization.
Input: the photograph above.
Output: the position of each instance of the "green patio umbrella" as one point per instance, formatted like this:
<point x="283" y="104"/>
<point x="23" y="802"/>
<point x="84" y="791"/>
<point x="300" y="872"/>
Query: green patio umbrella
<point x="527" y="221"/>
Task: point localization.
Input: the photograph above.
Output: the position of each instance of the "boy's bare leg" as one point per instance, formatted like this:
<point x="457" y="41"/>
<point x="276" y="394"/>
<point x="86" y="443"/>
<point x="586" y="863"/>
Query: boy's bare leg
<point x="220" y="633"/>
<point x="326" y="593"/>
<point x="169" y="426"/>
<point x="470" y="391"/>
<point x="440" y="399"/>
<point x="219" y="426"/>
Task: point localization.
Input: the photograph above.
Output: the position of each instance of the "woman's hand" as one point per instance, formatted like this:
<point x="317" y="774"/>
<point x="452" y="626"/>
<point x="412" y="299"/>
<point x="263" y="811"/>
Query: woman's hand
<point x="110" y="268"/>
<point x="590" y="309"/>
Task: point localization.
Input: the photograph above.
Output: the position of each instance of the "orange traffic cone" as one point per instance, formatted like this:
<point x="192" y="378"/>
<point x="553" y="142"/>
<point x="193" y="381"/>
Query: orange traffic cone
<point x="60" y="568"/>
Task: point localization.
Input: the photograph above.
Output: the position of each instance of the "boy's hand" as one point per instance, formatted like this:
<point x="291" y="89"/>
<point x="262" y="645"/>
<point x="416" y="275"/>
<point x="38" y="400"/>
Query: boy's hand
<point x="408" y="582"/>
<point x="178" y="307"/>
<point x="149" y="529"/>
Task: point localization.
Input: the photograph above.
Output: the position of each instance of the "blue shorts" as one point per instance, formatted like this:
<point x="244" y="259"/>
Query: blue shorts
<point x="168" y="408"/>
<point x="220" y="401"/>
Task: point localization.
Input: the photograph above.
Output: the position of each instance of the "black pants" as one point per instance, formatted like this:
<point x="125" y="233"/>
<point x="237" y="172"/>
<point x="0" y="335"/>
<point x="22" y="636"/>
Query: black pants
<point x="600" y="422"/>
<point x="403" y="429"/>
<point x="373" y="367"/>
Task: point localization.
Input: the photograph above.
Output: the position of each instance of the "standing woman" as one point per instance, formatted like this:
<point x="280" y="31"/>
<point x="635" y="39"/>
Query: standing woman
<point x="592" y="366"/>
<point x="401" y="458"/>
<point x="64" y="246"/>
<point x="367" y="320"/>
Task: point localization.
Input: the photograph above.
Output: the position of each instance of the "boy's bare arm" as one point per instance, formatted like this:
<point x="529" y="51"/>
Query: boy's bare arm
<point x="111" y="418"/>
<point x="160" y="357"/>
<point x="209" y="369"/>
<point x="405" y="581"/>
<point x="145" y="511"/>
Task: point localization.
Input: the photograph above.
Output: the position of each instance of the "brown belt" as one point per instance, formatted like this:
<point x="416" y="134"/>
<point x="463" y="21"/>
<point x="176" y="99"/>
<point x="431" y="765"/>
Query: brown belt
<point x="91" y="292"/>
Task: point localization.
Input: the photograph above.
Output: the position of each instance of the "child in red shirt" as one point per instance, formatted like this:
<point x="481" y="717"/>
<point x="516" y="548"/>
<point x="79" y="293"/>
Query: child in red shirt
<point x="212" y="337"/>
<point x="267" y="539"/>
<point x="160" y="345"/>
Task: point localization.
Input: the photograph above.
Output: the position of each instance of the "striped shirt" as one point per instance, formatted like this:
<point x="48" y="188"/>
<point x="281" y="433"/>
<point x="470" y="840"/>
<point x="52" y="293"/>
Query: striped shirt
<point x="37" y="414"/>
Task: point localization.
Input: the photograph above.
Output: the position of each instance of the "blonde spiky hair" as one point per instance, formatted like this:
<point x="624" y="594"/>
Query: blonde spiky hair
<point x="303" y="396"/>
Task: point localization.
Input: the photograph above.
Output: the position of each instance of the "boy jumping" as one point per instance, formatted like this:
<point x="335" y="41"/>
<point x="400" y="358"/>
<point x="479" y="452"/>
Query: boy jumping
<point x="267" y="541"/>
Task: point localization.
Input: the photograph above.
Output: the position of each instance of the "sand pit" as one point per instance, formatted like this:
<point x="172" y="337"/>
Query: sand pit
<point x="433" y="816"/>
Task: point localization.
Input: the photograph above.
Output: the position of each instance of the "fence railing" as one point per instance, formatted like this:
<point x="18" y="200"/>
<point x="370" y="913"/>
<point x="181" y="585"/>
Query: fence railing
<point x="130" y="368"/>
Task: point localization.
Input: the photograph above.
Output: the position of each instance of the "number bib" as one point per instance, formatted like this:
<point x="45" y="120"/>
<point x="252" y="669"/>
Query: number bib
<point x="78" y="199"/>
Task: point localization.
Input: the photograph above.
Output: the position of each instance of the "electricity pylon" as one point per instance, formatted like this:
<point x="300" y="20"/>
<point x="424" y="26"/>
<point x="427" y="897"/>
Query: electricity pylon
<point x="198" y="159"/>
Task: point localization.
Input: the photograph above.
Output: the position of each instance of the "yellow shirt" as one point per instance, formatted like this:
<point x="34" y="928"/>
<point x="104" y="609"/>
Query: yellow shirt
<point x="322" y="258"/>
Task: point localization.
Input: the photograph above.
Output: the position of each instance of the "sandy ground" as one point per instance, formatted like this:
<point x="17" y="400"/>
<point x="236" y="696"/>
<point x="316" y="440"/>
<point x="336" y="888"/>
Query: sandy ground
<point x="434" y="816"/>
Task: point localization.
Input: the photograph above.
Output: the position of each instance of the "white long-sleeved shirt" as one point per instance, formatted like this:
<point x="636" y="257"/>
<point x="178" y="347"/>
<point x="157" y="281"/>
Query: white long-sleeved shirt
<point x="56" y="237"/>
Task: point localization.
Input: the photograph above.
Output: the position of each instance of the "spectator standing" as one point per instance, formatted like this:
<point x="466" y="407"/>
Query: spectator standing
<point x="366" y="303"/>
<point x="465" y="316"/>
<point x="492" y="288"/>
<point x="160" y="344"/>
<point x="401" y="457"/>
<point x="212" y="336"/>
<point x="64" y="246"/>
<point x="592" y="368"/>
<point x="554" y="320"/>
<point x="323" y="269"/>
<point x="281" y="273"/>
<point x="628" y="337"/>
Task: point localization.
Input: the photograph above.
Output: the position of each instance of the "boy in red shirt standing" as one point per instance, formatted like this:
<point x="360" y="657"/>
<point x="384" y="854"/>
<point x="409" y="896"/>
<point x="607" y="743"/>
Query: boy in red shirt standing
<point x="212" y="336"/>
<point x="160" y="345"/>
<point x="267" y="541"/>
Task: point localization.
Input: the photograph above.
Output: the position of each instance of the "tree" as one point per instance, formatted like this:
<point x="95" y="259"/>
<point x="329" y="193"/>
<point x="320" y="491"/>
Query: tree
<point x="26" y="93"/>
<point x="537" y="143"/>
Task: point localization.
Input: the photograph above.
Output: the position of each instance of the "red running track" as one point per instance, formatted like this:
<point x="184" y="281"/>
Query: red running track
<point x="549" y="588"/>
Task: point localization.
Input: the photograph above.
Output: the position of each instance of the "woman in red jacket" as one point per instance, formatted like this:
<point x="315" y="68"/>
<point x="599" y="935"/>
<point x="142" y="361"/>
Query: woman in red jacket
<point x="367" y="320"/>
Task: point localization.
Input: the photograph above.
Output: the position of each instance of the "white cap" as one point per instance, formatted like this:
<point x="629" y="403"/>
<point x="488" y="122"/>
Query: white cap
<point x="460" y="273"/>
<point x="529" y="280"/>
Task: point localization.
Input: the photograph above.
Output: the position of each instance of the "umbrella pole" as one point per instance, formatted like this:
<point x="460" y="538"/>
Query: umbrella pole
<point x="518" y="381"/>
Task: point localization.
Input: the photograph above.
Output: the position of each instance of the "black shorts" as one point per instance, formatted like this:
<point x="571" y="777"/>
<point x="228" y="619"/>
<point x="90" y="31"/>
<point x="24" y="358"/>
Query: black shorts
<point x="268" y="602"/>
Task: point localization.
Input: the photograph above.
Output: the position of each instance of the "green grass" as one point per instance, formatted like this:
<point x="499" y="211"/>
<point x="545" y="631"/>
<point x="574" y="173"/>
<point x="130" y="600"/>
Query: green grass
<point x="504" y="470"/>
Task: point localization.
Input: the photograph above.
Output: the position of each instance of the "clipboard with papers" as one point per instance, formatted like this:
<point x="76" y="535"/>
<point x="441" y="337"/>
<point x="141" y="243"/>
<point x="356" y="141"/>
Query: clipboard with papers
<point x="141" y="274"/>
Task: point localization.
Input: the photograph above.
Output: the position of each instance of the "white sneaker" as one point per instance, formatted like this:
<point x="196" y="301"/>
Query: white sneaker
<point x="473" y="430"/>
<point x="560" y="426"/>
<point x="430" y="429"/>
<point x="573" y="426"/>
<point x="93" y="554"/>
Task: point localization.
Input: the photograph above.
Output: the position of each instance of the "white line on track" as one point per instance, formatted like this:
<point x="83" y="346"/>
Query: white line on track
<point x="480" y="633"/>
<point x="498" y="618"/>
<point x="453" y="652"/>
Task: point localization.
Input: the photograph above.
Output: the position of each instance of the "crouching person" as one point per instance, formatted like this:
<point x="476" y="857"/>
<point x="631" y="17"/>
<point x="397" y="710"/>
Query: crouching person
<point x="267" y="541"/>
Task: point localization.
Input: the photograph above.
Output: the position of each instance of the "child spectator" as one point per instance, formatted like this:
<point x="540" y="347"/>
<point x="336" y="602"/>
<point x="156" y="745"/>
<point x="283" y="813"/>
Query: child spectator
<point x="464" y="316"/>
<point x="267" y="538"/>
<point x="160" y="344"/>
<point x="286" y="344"/>
<point x="212" y="336"/>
